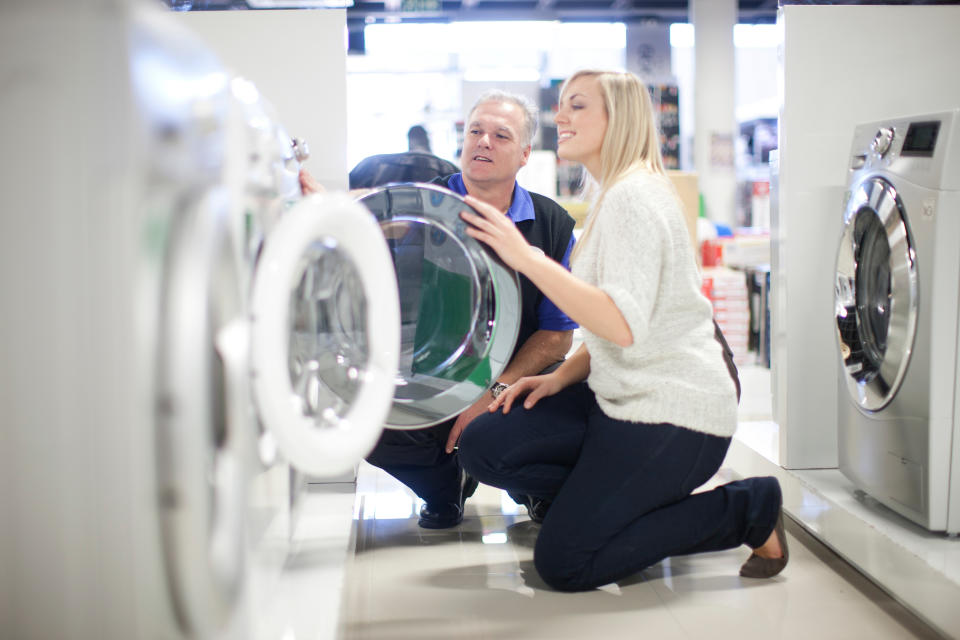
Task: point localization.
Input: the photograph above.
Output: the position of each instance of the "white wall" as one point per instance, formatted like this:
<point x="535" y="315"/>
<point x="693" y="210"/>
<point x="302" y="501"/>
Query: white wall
<point x="297" y="59"/>
<point x="841" y="65"/>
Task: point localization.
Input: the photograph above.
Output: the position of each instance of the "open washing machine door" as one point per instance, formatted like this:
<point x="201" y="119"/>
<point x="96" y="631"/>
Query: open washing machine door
<point x="876" y="294"/>
<point x="324" y="334"/>
<point x="459" y="304"/>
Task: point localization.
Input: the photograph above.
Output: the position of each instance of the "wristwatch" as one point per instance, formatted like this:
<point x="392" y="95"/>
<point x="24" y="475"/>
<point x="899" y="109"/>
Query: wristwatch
<point x="497" y="389"/>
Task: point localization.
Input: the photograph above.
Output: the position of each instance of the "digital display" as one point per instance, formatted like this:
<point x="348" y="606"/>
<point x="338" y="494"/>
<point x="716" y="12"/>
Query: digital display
<point x="921" y="138"/>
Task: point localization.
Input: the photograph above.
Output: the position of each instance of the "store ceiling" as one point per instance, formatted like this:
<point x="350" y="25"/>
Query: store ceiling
<point x="753" y="11"/>
<point x="360" y="12"/>
<point x="368" y="11"/>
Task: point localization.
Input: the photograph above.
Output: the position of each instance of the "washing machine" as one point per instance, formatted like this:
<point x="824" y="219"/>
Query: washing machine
<point x="142" y="355"/>
<point x="896" y="294"/>
<point x="459" y="304"/>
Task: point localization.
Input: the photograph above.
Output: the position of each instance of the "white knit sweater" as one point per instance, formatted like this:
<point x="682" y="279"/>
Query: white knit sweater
<point x="638" y="251"/>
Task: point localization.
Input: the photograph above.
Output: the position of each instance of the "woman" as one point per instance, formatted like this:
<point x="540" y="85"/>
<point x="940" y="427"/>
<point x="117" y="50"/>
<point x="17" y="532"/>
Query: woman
<point x="642" y="414"/>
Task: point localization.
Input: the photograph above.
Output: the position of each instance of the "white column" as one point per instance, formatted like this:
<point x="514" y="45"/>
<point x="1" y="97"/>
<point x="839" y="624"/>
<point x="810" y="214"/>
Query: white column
<point x="715" y="121"/>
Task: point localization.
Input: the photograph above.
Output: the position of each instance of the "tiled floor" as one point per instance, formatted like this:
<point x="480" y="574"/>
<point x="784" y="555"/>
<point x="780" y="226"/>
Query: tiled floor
<point x="477" y="581"/>
<point x="919" y="568"/>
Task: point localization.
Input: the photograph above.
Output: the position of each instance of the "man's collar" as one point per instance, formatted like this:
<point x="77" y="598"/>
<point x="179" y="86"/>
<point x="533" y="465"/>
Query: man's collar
<point x="521" y="207"/>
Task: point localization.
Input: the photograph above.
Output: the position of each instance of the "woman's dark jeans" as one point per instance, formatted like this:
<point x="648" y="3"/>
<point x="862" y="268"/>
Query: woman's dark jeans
<point x="621" y="491"/>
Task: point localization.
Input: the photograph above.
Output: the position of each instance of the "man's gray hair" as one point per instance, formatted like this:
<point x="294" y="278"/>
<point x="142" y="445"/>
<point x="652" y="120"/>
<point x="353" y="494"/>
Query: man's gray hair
<point x="529" y="110"/>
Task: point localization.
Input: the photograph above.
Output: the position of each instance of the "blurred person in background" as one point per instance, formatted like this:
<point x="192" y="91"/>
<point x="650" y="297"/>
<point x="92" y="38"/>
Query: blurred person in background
<point x="417" y="164"/>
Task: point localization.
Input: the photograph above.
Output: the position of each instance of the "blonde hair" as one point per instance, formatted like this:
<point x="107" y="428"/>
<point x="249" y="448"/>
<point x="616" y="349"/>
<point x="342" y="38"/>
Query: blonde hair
<point x="631" y="142"/>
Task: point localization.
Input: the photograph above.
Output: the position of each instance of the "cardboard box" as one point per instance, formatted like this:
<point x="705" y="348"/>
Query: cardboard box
<point x="688" y="188"/>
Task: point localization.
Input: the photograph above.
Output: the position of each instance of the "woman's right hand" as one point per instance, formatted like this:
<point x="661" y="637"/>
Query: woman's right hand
<point x="533" y="387"/>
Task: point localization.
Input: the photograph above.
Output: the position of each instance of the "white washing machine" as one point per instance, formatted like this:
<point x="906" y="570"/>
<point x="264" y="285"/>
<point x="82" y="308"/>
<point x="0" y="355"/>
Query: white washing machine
<point x="171" y="307"/>
<point x="133" y="356"/>
<point x="897" y="294"/>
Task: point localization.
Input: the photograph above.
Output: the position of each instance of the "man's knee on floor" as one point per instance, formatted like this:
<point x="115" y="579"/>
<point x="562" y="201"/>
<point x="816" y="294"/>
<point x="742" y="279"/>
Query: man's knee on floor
<point x="481" y="455"/>
<point x="471" y="450"/>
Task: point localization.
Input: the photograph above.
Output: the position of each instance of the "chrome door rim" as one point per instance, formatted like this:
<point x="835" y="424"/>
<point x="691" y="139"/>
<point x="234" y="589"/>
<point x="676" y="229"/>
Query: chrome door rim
<point x="331" y="441"/>
<point x="494" y="328"/>
<point x="871" y="383"/>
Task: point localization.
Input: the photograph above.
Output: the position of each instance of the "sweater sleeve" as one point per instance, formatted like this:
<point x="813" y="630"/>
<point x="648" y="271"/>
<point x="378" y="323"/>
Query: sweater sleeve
<point x="632" y="243"/>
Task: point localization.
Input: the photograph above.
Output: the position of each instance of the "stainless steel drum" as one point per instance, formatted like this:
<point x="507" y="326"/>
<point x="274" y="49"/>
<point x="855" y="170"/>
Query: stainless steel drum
<point x="459" y="304"/>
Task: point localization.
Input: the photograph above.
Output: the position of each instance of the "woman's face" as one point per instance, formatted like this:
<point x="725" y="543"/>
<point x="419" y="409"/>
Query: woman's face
<point x="581" y="123"/>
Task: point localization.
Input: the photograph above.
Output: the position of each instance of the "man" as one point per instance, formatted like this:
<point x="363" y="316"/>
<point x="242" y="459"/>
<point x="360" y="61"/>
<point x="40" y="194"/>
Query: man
<point x="418" y="140"/>
<point x="496" y="145"/>
<point x="418" y="164"/>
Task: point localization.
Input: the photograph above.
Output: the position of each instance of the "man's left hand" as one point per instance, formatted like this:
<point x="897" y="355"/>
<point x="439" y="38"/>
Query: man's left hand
<point x="465" y="418"/>
<point x="309" y="184"/>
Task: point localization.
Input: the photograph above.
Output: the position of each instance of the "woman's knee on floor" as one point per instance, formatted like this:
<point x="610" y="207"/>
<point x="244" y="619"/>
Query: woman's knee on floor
<point x="562" y="568"/>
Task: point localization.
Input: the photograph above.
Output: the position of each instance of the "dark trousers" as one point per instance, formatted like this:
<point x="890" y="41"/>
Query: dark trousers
<point x="621" y="491"/>
<point x="417" y="459"/>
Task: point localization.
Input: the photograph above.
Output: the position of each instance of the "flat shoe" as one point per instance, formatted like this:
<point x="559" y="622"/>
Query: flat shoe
<point x="757" y="567"/>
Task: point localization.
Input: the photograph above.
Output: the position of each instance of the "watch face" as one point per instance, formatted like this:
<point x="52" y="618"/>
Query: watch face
<point x="459" y="304"/>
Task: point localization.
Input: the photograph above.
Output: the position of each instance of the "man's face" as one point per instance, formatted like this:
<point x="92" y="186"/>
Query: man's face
<point x="493" y="149"/>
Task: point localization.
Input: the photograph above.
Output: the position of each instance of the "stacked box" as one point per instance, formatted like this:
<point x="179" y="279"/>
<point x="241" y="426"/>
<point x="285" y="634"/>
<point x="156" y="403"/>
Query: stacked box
<point x="727" y="291"/>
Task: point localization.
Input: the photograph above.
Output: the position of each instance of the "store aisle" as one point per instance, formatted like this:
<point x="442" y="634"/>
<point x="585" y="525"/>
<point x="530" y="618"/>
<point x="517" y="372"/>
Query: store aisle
<point x="477" y="581"/>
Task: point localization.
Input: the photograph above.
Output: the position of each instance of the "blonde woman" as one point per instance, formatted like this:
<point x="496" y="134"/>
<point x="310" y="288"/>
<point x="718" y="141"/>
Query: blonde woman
<point x="620" y="435"/>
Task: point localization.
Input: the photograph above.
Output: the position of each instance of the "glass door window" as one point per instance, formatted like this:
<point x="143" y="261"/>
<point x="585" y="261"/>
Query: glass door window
<point x="459" y="305"/>
<point x="876" y="294"/>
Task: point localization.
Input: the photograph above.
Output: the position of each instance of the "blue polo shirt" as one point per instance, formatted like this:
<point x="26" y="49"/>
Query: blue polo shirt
<point x="549" y="317"/>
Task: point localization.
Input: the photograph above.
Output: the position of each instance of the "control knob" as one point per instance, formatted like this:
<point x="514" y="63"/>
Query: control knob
<point x="882" y="141"/>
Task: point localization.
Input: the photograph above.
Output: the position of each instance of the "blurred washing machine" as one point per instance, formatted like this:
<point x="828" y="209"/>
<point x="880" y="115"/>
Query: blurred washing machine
<point x="324" y="321"/>
<point x="137" y="340"/>
<point x="897" y="292"/>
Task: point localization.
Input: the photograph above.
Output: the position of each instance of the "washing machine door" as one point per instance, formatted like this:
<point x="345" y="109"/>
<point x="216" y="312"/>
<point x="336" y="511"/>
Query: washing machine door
<point x="876" y="293"/>
<point x="325" y="333"/>
<point x="459" y="304"/>
<point x="202" y="414"/>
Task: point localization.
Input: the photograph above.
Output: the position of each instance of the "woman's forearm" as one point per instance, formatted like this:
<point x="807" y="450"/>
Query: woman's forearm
<point x="585" y="304"/>
<point x="576" y="368"/>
